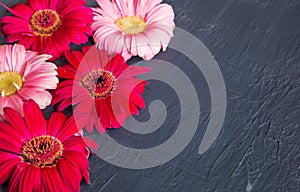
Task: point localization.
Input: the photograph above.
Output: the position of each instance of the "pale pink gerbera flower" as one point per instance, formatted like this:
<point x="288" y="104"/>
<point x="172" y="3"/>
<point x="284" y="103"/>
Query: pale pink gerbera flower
<point x="133" y="27"/>
<point x="25" y="75"/>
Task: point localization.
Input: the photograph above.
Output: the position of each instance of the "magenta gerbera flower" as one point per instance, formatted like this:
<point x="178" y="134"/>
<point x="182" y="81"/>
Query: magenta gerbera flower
<point x="25" y="75"/>
<point x="103" y="89"/>
<point x="48" y="26"/>
<point x="133" y="27"/>
<point x="40" y="155"/>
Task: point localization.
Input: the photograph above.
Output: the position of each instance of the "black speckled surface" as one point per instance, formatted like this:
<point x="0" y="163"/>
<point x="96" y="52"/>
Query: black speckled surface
<point x="257" y="46"/>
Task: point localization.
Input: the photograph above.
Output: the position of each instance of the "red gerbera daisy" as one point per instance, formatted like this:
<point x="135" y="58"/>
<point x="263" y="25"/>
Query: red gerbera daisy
<point x="48" y="26"/>
<point x="40" y="155"/>
<point x="104" y="89"/>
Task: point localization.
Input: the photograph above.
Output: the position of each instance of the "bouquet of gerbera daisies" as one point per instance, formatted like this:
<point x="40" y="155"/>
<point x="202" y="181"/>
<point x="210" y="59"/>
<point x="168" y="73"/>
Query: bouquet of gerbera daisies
<point x="39" y="154"/>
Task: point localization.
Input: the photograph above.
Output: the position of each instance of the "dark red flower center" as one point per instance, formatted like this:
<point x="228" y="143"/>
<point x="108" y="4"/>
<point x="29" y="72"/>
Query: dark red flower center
<point x="42" y="151"/>
<point x="99" y="83"/>
<point x="44" y="22"/>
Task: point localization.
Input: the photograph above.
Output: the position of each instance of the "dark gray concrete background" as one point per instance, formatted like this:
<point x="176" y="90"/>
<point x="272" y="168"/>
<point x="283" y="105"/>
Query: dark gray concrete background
<point x="257" y="46"/>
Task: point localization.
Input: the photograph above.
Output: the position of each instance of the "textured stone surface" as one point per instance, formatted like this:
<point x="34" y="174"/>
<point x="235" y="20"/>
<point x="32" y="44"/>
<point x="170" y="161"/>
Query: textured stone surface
<point x="256" y="44"/>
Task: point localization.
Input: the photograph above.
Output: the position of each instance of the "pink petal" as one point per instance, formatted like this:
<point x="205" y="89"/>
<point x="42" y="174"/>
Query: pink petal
<point x="107" y="5"/>
<point x="15" y="102"/>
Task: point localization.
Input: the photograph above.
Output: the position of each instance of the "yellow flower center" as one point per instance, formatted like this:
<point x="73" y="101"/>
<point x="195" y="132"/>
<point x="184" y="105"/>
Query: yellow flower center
<point x="131" y="24"/>
<point x="99" y="83"/>
<point x="10" y="83"/>
<point x="44" y="22"/>
<point x="42" y="151"/>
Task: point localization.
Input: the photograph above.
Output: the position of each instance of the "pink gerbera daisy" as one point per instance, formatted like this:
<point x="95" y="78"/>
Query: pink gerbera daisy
<point x="133" y="27"/>
<point x="25" y="75"/>
<point x="48" y="26"/>
<point x="40" y="155"/>
<point x="104" y="89"/>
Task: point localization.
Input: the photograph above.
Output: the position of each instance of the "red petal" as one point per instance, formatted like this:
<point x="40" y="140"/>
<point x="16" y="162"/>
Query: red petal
<point x="141" y="87"/>
<point x="74" y="58"/>
<point x="8" y="130"/>
<point x="52" y="180"/>
<point x="38" y="4"/>
<point x="14" y="28"/>
<point x="116" y="65"/>
<point x="24" y="9"/>
<point x="68" y="129"/>
<point x="69" y="174"/>
<point x="16" y="181"/>
<point x="27" y="41"/>
<point x="56" y="121"/>
<point x="133" y="109"/>
<point x="113" y="121"/>
<point x="91" y="143"/>
<point x="66" y="72"/>
<point x="103" y="116"/>
<point x="14" y="37"/>
<point x="137" y="99"/>
<point x="64" y="7"/>
<point x="74" y="143"/>
<point x="86" y="15"/>
<point x="7" y="165"/>
<point x="31" y="179"/>
<point x="9" y="144"/>
<point x="64" y="104"/>
<point x="79" y="162"/>
<point x="135" y="70"/>
<point x="34" y="119"/>
<point x="12" y="11"/>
